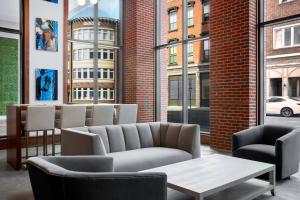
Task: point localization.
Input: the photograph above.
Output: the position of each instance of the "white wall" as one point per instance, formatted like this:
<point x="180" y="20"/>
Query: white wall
<point x="9" y="14"/>
<point x="45" y="59"/>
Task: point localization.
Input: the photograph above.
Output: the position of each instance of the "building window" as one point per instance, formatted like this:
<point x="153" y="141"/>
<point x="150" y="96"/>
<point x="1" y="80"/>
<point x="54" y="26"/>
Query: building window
<point x="190" y="52"/>
<point x="173" y="55"/>
<point x="86" y="34"/>
<point x="173" y="20"/>
<point x="175" y="90"/>
<point x="75" y="35"/>
<point x="206" y="10"/>
<point x="285" y="37"/>
<point x="111" y="54"/>
<point x="206" y="50"/>
<point x="190" y="15"/>
<point x="111" y="36"/>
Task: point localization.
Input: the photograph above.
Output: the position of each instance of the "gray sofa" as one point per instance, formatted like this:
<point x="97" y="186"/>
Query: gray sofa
<point x="279" y="145"/>
<point x="135" y="147"/>
<point x="92" y="178"/>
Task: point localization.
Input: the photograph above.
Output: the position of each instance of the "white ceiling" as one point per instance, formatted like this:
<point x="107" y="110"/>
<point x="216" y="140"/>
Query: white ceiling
<point x="9" y="13"/>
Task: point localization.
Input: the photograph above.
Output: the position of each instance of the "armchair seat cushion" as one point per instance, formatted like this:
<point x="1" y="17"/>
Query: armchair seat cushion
<point x="257" y="152"/>
<point x="147" y="158"/>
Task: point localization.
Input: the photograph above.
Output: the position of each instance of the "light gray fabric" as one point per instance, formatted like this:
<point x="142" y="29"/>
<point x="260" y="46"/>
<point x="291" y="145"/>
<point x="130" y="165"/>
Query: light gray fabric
<point x="115" y="138"/>
<point x="127" y="113"/>
<point x="131" y="136"/>
<point x="71" y="116"/>
<point x="172" y="135"/>
<point x="147" y="158"/>
<point x="81" y="143"/>
<point x="83" y="129"/>
<point x="40" y="118"/>
<point x="155" y="130"/>
<point x="145" y="135"/>
<point x="101" y="115"/>
<point x="101" y="130"/>
<point x="189" y="139"/>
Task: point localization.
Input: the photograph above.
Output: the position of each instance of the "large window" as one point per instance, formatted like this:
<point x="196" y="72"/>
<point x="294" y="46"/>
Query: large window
<point x="182" y="53"/>
<point x="92" y="70"/>
<point x="280" y="67"/>
<point x="9" y="58"/>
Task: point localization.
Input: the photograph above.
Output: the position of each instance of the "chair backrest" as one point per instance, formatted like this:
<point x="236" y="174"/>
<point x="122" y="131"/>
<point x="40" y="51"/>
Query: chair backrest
<point x="72" y="116"/>
<point x="40" y="118"/>
<point x="127" y="113"/>
<point x="102" y="115"/>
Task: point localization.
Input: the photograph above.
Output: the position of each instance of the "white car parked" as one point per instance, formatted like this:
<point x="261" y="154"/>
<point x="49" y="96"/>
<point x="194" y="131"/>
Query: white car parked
<point x="285" y="106"/>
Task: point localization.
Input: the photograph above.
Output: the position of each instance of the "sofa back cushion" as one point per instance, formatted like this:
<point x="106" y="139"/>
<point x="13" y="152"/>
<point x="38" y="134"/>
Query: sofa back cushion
<point x="155" y="130"/>
<point x="116" y="138"/>
<point x="172" y="134"/>
<point x="131" y="136"/>
<point x="145" y="134"/>
<point x="101" y="131"/>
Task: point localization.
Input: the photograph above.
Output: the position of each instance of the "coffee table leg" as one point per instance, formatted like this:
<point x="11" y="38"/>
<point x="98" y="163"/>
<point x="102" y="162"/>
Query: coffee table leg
<point x="199" y="197"/>
<point x="272" y="180"/>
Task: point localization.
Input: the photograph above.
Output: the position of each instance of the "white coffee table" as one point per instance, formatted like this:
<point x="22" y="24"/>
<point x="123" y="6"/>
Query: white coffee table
<point x="220" y="177"/>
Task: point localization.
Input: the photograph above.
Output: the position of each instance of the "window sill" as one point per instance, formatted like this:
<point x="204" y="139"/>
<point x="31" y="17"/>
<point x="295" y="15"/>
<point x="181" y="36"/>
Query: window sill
<point x="171" y="31"/>
<point x="173" y="64"/>
<point x="191" y="26"/>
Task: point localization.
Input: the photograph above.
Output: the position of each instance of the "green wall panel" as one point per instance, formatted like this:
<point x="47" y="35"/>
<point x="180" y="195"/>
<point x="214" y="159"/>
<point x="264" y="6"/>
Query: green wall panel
<point x="8" y="72"/>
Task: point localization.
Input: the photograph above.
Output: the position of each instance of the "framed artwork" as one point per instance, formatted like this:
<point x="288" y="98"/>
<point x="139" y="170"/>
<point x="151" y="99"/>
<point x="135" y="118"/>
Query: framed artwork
<point x="46" y="33"/>
<point x="52" y="1"/>
<point x="46" y="84"/>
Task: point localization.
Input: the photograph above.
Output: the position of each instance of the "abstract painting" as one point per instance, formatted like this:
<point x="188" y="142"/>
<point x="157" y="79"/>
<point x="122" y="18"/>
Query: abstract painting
<point x="53" y="1"/>
<point x="46" y="32"/>
<point x="46" y="84"/>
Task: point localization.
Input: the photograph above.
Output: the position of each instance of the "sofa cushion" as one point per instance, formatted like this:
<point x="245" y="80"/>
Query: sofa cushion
<point x="155" y="130"/>
<point x="115" y="138"/>
<point x="172" y="135"/>
<point x="257" y="152"/>
<point x="131" y="136"/>
<point x="101" y="131"/>
<point x="147" y="158"/>
<point x="163" y="133"/>
<point x="145" y="135"/>
<point x="188" y="140"/>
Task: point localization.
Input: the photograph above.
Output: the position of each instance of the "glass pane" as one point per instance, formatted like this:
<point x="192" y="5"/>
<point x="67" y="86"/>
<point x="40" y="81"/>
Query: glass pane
<point x="297" y="35"/>
<point x="282" y="69"/>
<point x="81" y="64"/>
<point x="9" y="58"/>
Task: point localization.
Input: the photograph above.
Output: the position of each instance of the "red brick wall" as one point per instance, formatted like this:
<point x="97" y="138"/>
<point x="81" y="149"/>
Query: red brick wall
<point x="139" y="63"/>
<point x="233" y="69"/>
<point x="274" y="10"/>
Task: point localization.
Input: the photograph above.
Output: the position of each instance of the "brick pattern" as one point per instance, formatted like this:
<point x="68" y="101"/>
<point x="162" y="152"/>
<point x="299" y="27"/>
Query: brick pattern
<point x="233" y="69"/>
<point x="139" y="54"/>
<point x="274" y="10"/>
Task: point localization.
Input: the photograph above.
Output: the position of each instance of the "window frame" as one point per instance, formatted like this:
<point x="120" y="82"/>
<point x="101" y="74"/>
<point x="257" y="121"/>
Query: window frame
<point x="282" y="29"/>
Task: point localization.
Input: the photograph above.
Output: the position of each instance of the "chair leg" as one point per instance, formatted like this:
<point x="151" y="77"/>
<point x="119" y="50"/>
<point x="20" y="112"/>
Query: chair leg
<point x="44" y="143"/>
<point x="26" y="145"/>
<point x="37" y="143"/>
<point x="53" y="145"/>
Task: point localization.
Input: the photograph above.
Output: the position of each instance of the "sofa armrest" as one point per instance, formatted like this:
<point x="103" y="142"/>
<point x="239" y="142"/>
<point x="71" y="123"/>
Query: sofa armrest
<point x="74" y="142"/>
<point x="189" y="139"/>
<point x="287" y="150"/>
<point x="249" y="136"/>
<point x="112" y="186"/>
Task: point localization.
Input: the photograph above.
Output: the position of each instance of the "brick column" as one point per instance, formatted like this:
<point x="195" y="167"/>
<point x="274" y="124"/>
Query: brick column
<point x="233" y="69"/>
<point x="139" y="56"/>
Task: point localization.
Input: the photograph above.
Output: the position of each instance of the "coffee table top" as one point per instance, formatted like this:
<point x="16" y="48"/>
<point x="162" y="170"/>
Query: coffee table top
<point x="211" y="174"/>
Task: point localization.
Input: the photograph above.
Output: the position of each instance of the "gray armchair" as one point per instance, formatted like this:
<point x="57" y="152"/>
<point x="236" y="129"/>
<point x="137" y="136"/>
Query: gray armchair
<point x="92" y="177"/>
<point x="279" y="145"/>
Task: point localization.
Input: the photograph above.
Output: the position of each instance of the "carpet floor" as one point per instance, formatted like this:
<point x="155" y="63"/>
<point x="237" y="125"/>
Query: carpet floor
<point x="15" y="185"/>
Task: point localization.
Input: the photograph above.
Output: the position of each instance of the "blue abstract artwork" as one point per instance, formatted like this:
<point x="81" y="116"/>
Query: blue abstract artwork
<point x="52" y="1"/>
<point x="46" y="84"/>
<point x="46" y="32"/>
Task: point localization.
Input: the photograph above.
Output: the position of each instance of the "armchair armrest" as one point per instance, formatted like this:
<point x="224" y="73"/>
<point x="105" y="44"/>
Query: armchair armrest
<point x="74" y="142"/>
<point x="59" y="164"/>
<point x="249" y="136"/>
<point x="287" y="150"/>
<point x="112" y="186"/>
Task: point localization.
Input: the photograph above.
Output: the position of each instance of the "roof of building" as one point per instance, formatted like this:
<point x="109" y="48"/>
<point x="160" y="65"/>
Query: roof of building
<point x="90" y="19"/>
